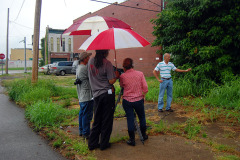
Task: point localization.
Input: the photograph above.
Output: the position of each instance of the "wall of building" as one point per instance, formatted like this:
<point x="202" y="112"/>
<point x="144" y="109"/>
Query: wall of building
<point x="145" y="59"/>
<point x="19" y="64"/>
<point x="55" y="37"/>
<point x="18" y="54"/>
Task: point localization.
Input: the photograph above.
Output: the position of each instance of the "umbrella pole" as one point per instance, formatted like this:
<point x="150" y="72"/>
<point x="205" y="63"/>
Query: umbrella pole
<point x="115" y="58"/>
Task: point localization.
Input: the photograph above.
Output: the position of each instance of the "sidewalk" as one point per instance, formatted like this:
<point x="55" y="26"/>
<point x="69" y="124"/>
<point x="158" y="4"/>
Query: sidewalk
<point x="18" y="141"/>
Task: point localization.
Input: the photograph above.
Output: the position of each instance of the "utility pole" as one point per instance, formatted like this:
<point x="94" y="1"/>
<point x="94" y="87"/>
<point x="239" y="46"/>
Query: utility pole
<point x="36" y="41"/>
<point x="25" y="63"/>
<point x="7" y="42"/>
<point x="25" y="56"/>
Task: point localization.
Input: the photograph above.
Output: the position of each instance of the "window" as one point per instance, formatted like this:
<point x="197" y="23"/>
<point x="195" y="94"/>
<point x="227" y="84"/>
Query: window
<point x="63" y="44"/>
<point x="51" y="44"/>
<point x="58" y="44"/>
<point x="69" y="45"/>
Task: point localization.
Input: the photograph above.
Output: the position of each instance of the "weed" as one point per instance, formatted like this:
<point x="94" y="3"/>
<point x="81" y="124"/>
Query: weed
<point x="51" y="135"/>
<point x="81" y="147"/>
<point x="160" y="127"/>
<point x="119" y="112"/>
<point x="222" y="147"/>
<point x="118" y="139"/>
<point x="192" y="128"/>
<point x="204" y="135"/>
<point x="175" y="128"/>
<point x="228" y="157"/>
<point x="57" y="143"/>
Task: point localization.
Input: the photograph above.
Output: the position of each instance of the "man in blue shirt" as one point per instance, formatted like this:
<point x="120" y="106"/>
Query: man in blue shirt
<point x="164" y="68"/>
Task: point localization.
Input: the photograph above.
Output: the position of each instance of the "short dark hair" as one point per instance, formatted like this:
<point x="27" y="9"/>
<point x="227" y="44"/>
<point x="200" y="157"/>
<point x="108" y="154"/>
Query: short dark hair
<point x="127" y="63"/>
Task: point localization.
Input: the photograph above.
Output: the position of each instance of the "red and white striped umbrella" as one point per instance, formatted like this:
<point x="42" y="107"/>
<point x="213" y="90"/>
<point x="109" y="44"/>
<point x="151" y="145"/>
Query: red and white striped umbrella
<point x="114" y="38"/>
<point x="92" y="25"/>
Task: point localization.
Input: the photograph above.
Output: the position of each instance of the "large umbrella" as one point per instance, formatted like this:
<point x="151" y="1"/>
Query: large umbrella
<point x="114" y="38"/>
<point x="94" y="24"/>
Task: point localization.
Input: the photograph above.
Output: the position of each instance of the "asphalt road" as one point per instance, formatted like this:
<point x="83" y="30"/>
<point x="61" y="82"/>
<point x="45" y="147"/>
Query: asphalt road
<point x="17" y="140"/>
<point x="12" y="71"/>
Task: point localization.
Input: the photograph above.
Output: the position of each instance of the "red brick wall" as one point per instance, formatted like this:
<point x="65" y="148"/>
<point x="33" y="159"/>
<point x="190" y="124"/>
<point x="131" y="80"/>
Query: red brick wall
<point x="139" y="20"/>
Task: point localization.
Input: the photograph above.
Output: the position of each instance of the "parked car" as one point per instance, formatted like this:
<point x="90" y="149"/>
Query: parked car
<point x="44" y="69"/>
<point x="74" y="66"/>
<point x="61" y="68"/>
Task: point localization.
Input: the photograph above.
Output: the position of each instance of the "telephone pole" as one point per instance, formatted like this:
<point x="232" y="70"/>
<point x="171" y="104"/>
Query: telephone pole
<point x="36" y="41"/>
<point x="7" y="42"/>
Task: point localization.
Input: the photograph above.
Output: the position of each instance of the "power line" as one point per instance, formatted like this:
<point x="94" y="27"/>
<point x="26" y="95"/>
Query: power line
<point x="41" y="30"/>
<point x="125" y="6"/>
<point x="19" y="10"/>
<point x="21" y="25"/>
<point x="154" y="3"/>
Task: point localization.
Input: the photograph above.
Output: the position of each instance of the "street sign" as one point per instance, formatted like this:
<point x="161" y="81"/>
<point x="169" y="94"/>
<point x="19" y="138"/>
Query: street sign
<point x="2" y="56"/>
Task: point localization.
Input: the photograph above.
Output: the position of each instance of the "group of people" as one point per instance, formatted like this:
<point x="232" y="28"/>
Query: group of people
<point x="96" y="93"/>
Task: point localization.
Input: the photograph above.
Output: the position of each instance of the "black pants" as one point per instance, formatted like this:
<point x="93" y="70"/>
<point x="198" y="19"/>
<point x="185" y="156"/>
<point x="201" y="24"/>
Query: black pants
<point x="104" y="106"/>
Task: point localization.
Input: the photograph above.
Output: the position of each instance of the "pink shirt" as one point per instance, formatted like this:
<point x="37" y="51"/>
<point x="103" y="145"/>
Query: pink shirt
<point x="134" y="85"/>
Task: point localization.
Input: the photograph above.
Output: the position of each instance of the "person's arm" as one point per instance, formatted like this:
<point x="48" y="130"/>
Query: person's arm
<point x="156" y="74"/>
<point x="179" y="70"/>
<point x="112" y="81"/>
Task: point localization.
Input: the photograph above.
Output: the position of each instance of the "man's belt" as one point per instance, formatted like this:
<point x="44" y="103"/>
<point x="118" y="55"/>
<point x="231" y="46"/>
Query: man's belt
<point x="166" y="78"/>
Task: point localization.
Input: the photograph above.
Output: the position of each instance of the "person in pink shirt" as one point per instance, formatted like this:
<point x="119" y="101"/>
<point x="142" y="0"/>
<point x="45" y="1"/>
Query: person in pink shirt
<point x="135" y="88"/>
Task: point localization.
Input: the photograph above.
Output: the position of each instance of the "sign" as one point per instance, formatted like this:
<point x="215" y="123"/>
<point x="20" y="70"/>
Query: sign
<point x="2" y="56"/>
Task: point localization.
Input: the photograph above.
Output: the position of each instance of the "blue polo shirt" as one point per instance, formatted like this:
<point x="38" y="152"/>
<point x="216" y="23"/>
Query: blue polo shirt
<point x="165" y="69"/>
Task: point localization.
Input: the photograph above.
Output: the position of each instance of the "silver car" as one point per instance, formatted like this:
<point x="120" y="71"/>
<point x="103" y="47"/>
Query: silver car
<point x="61" y="68"/>
<point x="44" y="69"/>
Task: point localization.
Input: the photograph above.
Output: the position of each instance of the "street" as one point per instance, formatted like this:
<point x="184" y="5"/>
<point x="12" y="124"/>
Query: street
<point x="13" y="71"/>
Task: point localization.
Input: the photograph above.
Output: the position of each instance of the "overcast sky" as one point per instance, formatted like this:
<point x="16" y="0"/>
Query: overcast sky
<point x="58" y="14"/>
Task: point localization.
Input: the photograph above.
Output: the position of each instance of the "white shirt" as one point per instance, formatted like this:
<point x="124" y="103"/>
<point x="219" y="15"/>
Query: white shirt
<point x="165" y="69"/>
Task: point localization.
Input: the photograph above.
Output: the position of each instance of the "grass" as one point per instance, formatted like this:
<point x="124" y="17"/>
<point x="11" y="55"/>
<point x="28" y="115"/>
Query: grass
<point x="45" y="114"/>
<point x="47" y="104"/>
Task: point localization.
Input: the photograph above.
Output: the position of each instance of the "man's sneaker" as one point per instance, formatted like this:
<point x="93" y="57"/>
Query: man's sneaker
<point x="160" y="110"/>
<point x="169" y="110"/>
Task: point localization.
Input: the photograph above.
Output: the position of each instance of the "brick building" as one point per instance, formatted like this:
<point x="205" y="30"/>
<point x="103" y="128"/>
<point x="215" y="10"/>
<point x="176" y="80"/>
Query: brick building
<point x="145" y="59"/>
<point x="18" y="54"/>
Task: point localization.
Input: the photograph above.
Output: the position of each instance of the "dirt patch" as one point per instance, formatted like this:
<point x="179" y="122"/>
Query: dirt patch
<point x="166" y="146"/>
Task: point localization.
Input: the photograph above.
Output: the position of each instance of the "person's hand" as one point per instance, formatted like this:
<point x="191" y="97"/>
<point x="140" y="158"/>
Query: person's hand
<point x="160" y="80"/>
<point x="117" y="74"/>
<point x="189" y="69"/>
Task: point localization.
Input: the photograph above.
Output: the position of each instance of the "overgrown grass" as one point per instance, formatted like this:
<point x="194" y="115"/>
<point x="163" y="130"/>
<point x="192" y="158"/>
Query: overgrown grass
<point x="225" y="96"/>
<point x="45" y="114"/>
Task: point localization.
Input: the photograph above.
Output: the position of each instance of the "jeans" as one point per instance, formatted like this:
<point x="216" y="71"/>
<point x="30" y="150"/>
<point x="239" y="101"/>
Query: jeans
<point x="139" y="109"/>
<point x="85" y="117"/>
<point x="166" y="84"/>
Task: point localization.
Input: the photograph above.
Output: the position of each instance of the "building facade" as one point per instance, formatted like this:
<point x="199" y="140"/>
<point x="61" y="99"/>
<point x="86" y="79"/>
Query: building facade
<point x="59" y="47"/>
<point x="138" y="14"/>
<point x="19" y="54"/>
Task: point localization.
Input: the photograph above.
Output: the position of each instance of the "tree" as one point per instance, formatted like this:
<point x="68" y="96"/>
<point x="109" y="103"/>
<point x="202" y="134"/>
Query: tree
<point x="42" y="61"/>
<point x="203" y="34"/>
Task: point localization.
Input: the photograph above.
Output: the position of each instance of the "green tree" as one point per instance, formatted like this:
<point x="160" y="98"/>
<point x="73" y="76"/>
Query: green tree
<point x="203" y="34"/>
<point x="42" y="61"/>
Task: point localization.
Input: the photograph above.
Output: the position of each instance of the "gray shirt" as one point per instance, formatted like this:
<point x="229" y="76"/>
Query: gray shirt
<point x="84" y="89"/>
<point x="99" y="78"/>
